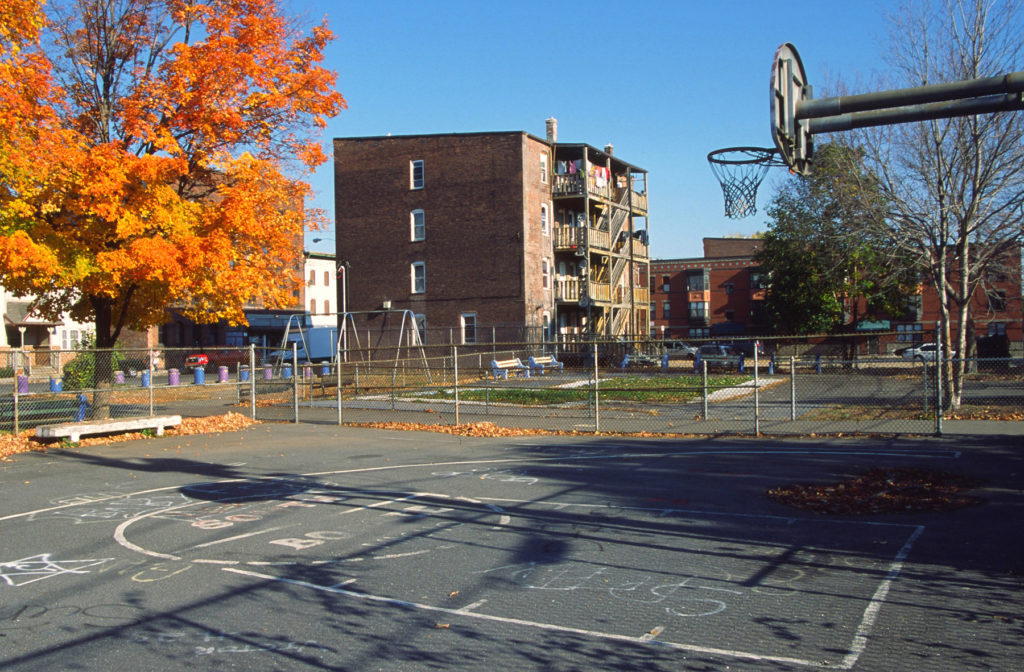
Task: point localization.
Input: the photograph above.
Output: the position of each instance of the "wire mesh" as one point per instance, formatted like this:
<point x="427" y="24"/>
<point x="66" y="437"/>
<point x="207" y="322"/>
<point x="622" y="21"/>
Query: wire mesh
<point x="610" y="387"/>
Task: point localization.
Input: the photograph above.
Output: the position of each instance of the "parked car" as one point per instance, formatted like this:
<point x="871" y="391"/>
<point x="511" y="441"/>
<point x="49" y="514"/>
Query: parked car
<point x="680" y="349"/>
<point x="198" y="359"/>
<point x="746" y="348"/>
<point x="922" y="352"/>
<point x="717" y="356"/>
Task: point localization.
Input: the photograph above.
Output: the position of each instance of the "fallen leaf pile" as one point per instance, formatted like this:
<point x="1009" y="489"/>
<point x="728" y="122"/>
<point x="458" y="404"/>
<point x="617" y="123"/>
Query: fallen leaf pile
<point x="883" y="491"/>
<point x="11" y="444"/>
<point x="475" y="429"/>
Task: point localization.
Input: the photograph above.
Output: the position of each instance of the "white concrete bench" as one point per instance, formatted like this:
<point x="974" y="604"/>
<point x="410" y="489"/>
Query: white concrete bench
<point x="75" y="430"/>
<point x="539" y="364"/>
<point x="500" y="368"/>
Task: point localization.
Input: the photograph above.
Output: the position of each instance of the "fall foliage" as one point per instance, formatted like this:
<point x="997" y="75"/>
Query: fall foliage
<point x="151" y="153"/>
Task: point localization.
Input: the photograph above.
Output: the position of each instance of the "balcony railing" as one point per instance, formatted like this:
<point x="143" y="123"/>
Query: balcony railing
<point x="567" y="289"/>
<point x="641" y="295"/>
<point x="600" y="291"/>
<point x="639" y="249"/>
<point x="568" y="185"/>
<point x="576" y="237"/>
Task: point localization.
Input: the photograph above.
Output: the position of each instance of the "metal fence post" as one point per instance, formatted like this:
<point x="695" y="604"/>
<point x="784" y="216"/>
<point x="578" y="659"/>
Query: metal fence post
<point x="455" y="373"/>
<point x="252" y="380"/>
<point x="939" y="401"/>
<point x="792" y="388"/>
<point x="757" y="398"/>
<point x="16" y="401"/>
<point x="295" y="380"/>
<point x="597" y="405"/>
<point x="337" y="383"/>
<point x="704" y="382"/>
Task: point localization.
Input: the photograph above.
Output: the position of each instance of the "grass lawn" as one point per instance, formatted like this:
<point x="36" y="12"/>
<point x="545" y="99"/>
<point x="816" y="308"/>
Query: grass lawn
<point x="625" y="388"/>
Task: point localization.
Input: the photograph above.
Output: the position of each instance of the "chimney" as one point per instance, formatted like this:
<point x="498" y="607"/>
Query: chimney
<point x="552" y="128"/>
<point x="609" y="149"/>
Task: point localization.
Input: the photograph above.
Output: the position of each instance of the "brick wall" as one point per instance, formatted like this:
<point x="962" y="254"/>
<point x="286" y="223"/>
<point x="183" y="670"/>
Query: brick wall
<point x="479" y="211"/>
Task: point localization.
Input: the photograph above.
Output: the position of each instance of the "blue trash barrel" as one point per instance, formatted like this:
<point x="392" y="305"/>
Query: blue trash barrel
<point x="199" y="375"/>
<point x="145" y="378"/>
<point x="325" y="369"/>
<point x="173" y="377"/>
<point x="286" y="371"/>
<point x="56" y="384"/>
<point x="222" y="374"/>
<point x="243" y="374"/>
<point x="83" y="406"/>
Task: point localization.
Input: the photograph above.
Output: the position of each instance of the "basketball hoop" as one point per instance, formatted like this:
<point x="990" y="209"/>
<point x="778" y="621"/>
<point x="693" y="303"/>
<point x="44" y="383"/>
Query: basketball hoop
<point x="740" y="170"/>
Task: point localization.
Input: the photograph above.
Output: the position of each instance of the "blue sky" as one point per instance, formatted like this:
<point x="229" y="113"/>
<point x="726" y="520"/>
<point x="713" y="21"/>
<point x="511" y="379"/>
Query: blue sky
<point x="664" y="82"/>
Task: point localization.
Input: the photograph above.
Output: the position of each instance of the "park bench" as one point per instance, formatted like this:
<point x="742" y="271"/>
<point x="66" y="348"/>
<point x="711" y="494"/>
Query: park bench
<point x="539" y="364"/>
<point x="348" y="379"/>
<point x="500" y="368"/>
<point x="639" y="360"/>
<point x="76" y="430"/>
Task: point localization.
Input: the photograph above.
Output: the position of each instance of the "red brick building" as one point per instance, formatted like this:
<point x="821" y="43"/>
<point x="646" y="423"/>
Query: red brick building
<point x="722" y="294"/>
<point x="499" y="235"/>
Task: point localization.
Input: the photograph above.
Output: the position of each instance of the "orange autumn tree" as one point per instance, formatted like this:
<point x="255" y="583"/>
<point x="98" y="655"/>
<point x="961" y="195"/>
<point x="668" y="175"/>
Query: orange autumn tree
<point x="152" y="153"/>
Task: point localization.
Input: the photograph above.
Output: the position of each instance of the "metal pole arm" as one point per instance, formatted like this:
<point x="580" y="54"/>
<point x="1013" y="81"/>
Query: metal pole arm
<point x="943" y="110"/>
<point x="814" y="108"/>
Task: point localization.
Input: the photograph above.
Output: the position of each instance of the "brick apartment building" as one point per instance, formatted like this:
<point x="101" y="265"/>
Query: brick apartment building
<point x="496" y="235"/>
<point x="722" y="295"/>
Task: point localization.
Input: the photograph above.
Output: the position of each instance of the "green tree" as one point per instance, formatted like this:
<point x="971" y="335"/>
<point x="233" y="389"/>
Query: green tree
<point x="827" y="266"/>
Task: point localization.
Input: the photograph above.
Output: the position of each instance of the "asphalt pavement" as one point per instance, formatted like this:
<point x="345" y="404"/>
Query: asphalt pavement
<point x="318" y="547"/>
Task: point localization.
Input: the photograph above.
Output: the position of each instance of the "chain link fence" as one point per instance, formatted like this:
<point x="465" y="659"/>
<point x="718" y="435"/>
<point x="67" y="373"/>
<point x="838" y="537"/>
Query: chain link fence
<point x="595" y="387"/>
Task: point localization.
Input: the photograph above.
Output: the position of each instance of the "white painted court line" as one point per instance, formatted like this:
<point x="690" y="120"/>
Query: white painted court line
<point x="550" y="627"/>
<point x="860" y="638"/>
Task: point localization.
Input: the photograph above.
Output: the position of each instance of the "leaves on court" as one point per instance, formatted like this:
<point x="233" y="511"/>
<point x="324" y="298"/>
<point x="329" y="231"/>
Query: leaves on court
<point x="12" y="444"/>
<point x="883" y="491"/>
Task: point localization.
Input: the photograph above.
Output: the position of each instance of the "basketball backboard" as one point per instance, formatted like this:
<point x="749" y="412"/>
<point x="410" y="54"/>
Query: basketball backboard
<point x="789" y="88"/>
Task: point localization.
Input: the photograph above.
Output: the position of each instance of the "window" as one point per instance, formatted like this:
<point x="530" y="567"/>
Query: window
<point x="544" y="168"/>
<point x="421" y="327"/>
<point x="697" y="281"/>
<point x="416" y="174"/>
<point x="327" y="307"/>
<point x="666" y="309"/>
<point x="997" y="329"/>
<point x="549" y="332"/>
<point x="312" y="277"/>
<point x="698" y="311"/>
<point x="997" y="300"/>
<point x="699" y="332"/>
<point x="468" y="328"/>
<point x="419" y="277"/>
<point x="909" y="333"/>
<point x="544" y="219"/>
<point x="545" y="273"/>
<point x="419" y="225"/>
<point x="729" y="287"/>
<point x="327" y="278"/>
<point x="312" y="306"/>
<point x="666" y="284"/>
<point x="757" y="279"/>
